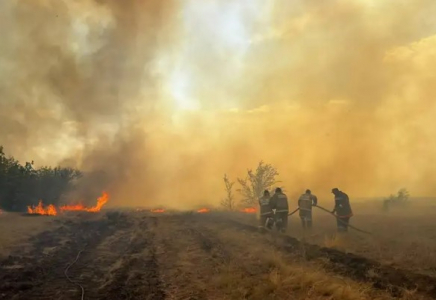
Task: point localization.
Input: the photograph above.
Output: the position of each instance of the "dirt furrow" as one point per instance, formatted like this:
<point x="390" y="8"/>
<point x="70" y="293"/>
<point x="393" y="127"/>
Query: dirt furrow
<point x="182" y="259"/>
<point x="134" y="273"/>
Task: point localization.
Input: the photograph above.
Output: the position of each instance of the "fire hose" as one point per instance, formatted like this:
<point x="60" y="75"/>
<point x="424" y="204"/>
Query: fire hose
<point x="290" y="214"/>
<point x="72" y="281"/>
<point x="339" y="219"/>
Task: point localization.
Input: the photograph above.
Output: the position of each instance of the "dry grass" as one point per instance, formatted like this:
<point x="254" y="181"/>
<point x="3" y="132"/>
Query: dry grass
<point x="16" y="229"/>
<point x="282" y="276"/>
<point x="199" y="258"/>
<point x="405" y="238"/>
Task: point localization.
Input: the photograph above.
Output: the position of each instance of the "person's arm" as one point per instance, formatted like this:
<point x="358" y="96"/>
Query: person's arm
<point x="336" y="205"/>
<point x="315" y="201"/>
<point x="299" y="201"/>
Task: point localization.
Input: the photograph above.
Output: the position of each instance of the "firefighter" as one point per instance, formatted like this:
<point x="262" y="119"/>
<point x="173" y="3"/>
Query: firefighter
<point x="342" y="209"/>
<point x="265" y="209"/>
<point x="305" y="203"/>
<point x="279" y="202"/>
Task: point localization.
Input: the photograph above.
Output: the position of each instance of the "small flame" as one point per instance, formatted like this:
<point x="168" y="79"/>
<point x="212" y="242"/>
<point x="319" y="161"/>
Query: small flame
<point x="76" y="207"/>
<point x="40" y="210"/>
<point x="249" y="210"/>
<point x="203" y="210"/>
<point x="159" y="210"/>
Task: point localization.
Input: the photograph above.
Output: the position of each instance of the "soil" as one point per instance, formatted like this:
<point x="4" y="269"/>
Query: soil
<point x="137" y="255"/>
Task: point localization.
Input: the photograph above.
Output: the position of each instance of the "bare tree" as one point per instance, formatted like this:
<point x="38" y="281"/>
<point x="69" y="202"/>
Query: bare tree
<point x="256" y="182"/>
<point x="229" y="201"/>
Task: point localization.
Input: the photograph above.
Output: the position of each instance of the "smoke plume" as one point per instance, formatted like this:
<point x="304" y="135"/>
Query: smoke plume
<point x="156" y="100"/>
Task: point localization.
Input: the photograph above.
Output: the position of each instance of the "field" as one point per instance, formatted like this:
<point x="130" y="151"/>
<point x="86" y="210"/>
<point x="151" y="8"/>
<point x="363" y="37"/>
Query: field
<point x="140" y="255"/>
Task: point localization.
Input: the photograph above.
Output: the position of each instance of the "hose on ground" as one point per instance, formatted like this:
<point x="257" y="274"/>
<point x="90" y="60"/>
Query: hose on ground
<point x="339" y="219"/>
<point x="72" y="281"/>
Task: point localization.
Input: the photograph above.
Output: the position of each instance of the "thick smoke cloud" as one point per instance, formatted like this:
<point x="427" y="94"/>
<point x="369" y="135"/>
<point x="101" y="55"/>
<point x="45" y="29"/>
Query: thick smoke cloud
<point x="334" y="93"/>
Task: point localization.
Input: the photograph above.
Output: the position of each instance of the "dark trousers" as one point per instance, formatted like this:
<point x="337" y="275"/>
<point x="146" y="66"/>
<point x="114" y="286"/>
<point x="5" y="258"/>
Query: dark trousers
<point x="342" y="224"/>
<point x="263" y="219"/>
<point x="306" y="218"/>
<point x="284" y="217"/>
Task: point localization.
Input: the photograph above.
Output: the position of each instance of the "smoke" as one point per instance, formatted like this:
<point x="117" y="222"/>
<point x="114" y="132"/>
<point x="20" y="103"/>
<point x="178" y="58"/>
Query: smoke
<point x="158" y="99"/>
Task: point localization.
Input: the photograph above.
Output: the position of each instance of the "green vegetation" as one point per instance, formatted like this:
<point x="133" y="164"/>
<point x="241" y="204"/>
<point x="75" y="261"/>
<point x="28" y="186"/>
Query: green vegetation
<point x="23" y="185"/>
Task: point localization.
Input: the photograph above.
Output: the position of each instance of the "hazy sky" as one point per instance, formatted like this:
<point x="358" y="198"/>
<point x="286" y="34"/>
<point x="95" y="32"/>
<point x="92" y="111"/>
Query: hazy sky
<point x="165" y="97"/>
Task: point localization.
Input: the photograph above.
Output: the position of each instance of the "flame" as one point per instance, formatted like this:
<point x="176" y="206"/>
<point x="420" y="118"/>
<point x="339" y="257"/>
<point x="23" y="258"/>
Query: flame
<point x="101" y="201"/>
<point x="159" y="210"/>
<point x="40" y="210"/>
<point x="249" y="210"/>
<point x="203" y="210"/>
<point x="72" y="207"/>
<point x="51" y="209"/>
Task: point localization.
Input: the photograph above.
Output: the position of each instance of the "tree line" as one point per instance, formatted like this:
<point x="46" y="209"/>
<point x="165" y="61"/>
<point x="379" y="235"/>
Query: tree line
<point x="23" y="184"/>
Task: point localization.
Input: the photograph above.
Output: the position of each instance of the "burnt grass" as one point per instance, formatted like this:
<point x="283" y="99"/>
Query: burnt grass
<point x="357" y="267"/>
<point x="36" y="274"/>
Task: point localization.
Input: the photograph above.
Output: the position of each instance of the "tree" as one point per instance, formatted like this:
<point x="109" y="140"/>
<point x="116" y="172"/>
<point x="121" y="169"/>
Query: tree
<point x="256" y="182"/>
<point x="22" y="185"/>
<point x="229" y="201"/>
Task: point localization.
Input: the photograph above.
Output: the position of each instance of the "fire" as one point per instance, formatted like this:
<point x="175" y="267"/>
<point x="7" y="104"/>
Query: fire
<point x="159" y="210"/>
<point x="72" y="207"/>
<point x="52" y="211"/>
<point x="40" y="210"/>
<point x="203" y="210"/>
<point x="101" y="201"/>
<point x="249" y="210"/>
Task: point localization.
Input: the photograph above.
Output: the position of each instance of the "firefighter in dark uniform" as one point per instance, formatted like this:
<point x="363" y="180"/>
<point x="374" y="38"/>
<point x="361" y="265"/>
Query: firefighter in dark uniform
<point x="279" y="202"/>
<point x="265" y="209"/>
<point x="305" y="203"/>
<point x="342" y="209"/>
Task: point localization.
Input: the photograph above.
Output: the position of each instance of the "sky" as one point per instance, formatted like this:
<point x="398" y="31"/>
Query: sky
<point x="156" y="100"/>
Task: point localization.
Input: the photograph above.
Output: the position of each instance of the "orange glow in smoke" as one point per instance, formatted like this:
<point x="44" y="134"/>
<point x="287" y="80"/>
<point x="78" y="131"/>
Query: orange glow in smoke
<point x="158" y="211"/>
<point x="203" y="210"/>
<point x="249" y="210"/>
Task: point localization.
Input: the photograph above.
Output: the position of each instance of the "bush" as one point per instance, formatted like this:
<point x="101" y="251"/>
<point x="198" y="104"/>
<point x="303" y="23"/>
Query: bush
<point x="23" y="185"/>
<point x="398" y="200"/>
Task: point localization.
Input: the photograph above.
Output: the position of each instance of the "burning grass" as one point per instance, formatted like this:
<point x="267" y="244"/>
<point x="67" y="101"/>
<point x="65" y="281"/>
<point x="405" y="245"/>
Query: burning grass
<point x="51" y="210"/>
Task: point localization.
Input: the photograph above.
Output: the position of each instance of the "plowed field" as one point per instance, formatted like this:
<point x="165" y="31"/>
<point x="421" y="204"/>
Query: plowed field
<point x="138" y="255"/>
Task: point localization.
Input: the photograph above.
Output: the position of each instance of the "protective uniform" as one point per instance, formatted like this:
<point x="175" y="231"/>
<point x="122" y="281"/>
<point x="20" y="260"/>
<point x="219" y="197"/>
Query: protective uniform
<point x="305" y="203"/>
<point x="265" y="209"/>
<point x="279" y="202"/>
<point x="342" y="209"/>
